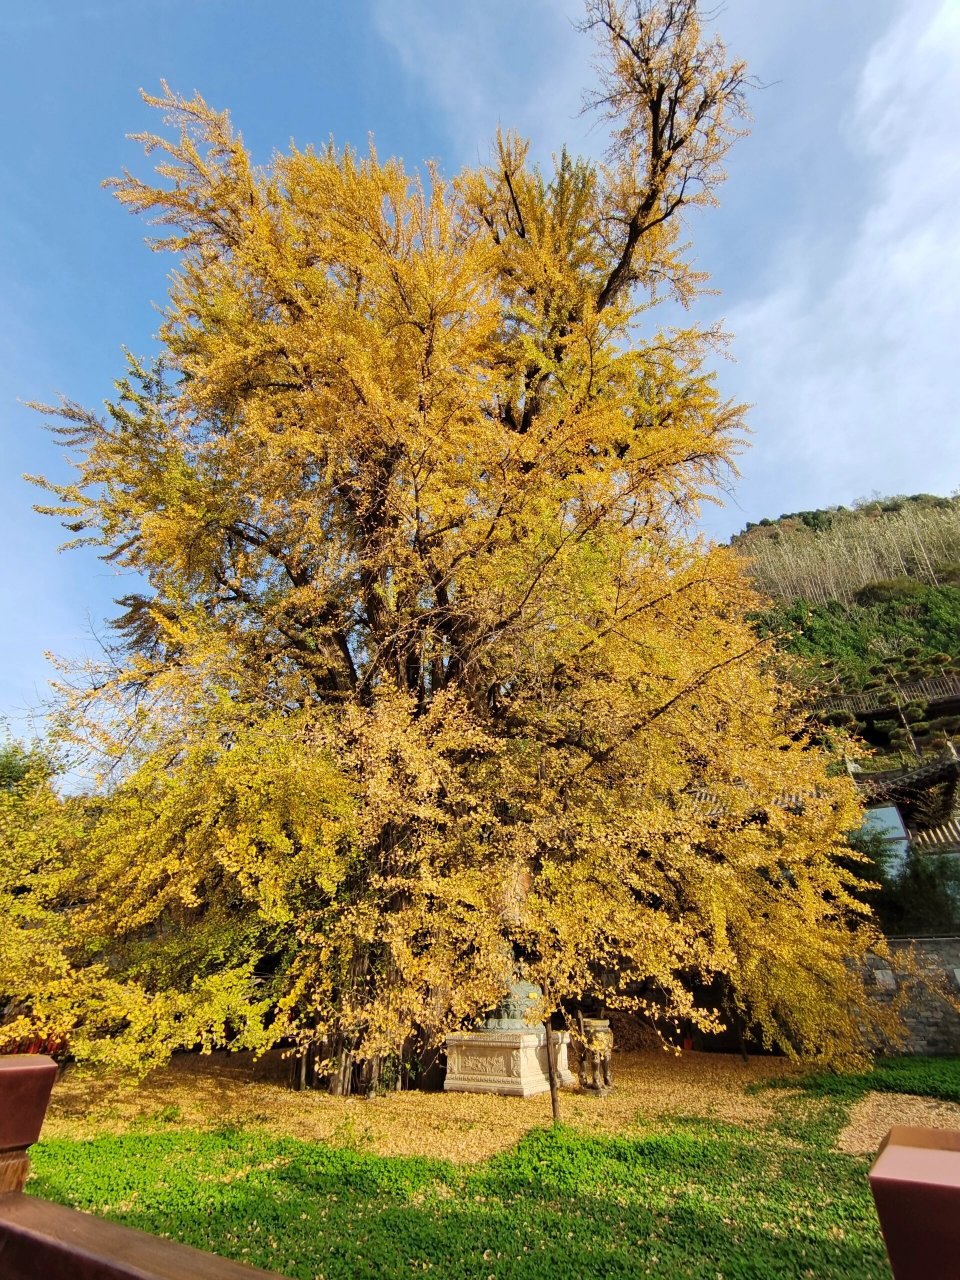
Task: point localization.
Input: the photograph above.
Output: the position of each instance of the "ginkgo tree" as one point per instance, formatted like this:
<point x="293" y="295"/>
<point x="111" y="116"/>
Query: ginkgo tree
<point x="429" y="682"/>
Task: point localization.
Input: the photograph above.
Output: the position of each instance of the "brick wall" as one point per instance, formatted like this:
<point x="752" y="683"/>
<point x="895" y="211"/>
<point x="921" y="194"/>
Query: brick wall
<point x="932" y="1025"/>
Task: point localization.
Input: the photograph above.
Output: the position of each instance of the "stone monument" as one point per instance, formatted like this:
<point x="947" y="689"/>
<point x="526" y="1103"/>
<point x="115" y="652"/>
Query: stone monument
<point x="593" y="1054"/>
<point x="508" y="1054"/>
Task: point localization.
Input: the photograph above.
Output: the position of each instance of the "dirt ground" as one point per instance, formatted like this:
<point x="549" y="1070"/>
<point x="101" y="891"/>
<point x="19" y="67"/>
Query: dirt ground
<point x="873" y="1115"/>
<point x="218" y="1089"/>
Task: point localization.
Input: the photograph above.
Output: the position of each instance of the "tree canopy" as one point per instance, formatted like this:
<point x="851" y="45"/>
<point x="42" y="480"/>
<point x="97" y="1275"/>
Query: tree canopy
<point x="428" y="678"/>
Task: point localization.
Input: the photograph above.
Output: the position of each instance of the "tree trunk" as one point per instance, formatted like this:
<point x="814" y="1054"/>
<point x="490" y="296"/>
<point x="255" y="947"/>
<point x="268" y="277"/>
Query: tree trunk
<point x="552" y="1073"/>
<point x="345" y="1073"/>
<point x="731" y="1009"/>
<point x="582" y="1064"/>
<point x="906" y="725"/>
<point x="342" y="1077"/>
<point x="373" y="1073"/>
<point x="738" y="1027"/>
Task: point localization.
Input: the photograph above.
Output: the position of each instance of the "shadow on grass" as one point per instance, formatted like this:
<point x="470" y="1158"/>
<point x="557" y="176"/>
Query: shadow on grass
<point x="698" y="1199"/>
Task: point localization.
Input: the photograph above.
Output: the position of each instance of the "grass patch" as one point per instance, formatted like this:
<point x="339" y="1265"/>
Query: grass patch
<point x="922" y="1077"/>
<point x="698" y="1198"/>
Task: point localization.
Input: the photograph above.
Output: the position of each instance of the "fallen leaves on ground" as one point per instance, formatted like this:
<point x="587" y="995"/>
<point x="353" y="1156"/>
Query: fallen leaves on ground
<point x="209" y="1091"/>
<point x="874" y="1114"/>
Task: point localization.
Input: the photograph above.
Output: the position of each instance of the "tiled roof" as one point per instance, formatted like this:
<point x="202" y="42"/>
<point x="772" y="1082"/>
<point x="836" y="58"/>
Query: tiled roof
<point x="940" y="839"/>
<point x="894" y="786"/>
<point x="711" y="806"/>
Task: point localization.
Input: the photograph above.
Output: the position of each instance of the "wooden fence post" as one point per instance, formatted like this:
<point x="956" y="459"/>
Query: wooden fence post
<point x="25" y="1083"/>
<point x="41" y="1241"/>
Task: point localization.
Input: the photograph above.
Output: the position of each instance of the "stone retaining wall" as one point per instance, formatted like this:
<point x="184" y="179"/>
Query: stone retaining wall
<point x="933" y="1026"/>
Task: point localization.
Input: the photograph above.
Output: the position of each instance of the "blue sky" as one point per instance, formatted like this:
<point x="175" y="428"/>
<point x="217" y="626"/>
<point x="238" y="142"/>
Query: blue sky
<point x="836" y="247"/>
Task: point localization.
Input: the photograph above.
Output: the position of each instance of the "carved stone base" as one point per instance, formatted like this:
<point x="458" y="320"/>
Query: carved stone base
<point x="507" y="1062"/>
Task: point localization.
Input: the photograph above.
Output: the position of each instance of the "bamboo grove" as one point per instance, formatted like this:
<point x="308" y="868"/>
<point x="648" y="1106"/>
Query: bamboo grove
<point x="427" y="681"/>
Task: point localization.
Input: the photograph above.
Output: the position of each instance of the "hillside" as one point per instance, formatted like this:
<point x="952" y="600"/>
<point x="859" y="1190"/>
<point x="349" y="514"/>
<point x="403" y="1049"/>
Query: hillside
<point x="838" y="552"/>
<point x="869" y="599"/>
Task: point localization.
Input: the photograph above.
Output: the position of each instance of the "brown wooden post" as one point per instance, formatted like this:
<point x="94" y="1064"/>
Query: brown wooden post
<point x="25" y="1083"/>
<point x="40" y="1241"/>
<point x="915" y="1181"/>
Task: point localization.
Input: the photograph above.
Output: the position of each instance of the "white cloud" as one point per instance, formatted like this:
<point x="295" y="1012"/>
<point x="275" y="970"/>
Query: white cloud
<point x="851" y="361"/>
<point x="844" y="228"/>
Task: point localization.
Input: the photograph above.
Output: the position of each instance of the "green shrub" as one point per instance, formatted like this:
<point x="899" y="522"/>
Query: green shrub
<point x="853" y="639"/>
<point x="890" y="589"/>
<point x="924" y="899"/>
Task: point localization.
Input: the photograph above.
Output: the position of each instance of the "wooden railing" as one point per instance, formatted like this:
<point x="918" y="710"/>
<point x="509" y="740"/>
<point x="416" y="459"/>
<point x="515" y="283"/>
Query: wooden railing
<point x="43" y="1241"/>
<point x="936" y="689"/>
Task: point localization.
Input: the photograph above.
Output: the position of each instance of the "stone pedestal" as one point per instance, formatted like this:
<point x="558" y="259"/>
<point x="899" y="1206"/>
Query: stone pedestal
<point x="506" y="1062"/>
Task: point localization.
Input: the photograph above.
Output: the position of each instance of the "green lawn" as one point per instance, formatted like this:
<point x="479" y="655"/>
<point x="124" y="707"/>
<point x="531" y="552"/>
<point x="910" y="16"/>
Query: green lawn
<point x="691" y="1198"/>
<point x="696" y="1198"/>
<point x="924" y="1077"/>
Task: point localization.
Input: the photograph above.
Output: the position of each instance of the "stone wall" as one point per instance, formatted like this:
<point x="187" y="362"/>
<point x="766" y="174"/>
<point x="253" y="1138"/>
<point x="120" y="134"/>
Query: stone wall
<point x="933" y="1026"/>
